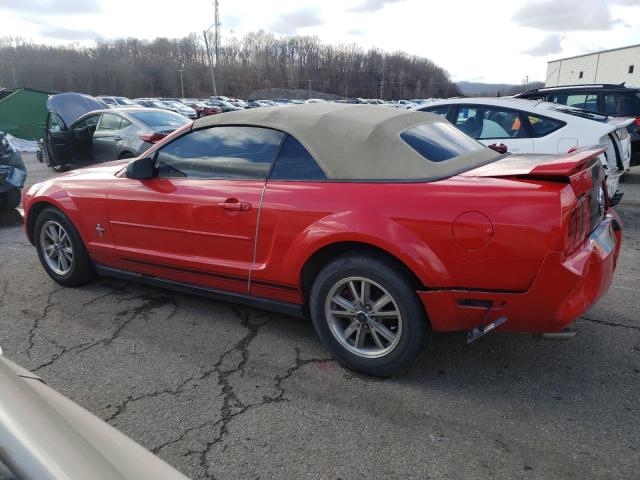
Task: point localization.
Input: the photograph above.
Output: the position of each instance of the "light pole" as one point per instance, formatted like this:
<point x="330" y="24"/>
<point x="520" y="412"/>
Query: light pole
<point x="213" y="77"/>
<point x="216" y="45"/>
<point x="181" y="69"/>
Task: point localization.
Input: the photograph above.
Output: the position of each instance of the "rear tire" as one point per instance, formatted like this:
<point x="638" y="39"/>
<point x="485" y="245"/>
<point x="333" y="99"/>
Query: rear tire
<point x="61" y="250"/>
<point x="365" y="285"/>
<point x="10" y="199"/>
<point x="59" y="168"/>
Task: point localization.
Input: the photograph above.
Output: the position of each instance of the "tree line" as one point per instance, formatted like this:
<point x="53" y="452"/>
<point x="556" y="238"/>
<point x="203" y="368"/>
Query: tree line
<point x="257" y="61"/>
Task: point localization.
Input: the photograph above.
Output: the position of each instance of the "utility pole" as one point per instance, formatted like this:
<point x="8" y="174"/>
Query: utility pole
<point x="381" y="89"/>
<point x="526" y="82"/>
<point x="309" y="87"/>
<point x="216" y="38"/>
<point x="181" y="69"/>
<point x="213" y="77"/>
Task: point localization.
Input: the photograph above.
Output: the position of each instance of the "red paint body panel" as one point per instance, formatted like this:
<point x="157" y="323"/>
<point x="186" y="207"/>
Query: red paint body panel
<point x="564" y="288"/>
<point x="509" y="237"/>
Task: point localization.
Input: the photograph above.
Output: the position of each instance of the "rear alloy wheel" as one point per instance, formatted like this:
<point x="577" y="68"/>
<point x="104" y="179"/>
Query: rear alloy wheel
<point x="368" y="315"/>
<point x="61" y="250"/>
<point x="363" y="317"/>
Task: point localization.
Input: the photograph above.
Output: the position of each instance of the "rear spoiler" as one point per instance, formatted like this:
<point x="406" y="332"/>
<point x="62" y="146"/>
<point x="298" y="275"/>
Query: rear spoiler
<point x="570" y="168"/>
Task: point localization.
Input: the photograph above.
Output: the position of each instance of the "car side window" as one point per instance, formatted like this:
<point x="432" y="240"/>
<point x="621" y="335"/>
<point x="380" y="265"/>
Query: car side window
<point x="542" y="126"/>
<point x="582" y="100"/>
<point x="56" y="124"/>
<point x="86" y="126"/>
<point x="109" y="121"/>
<point x="220" y="153"/>
<point x="442" y="110"/>
<point x="483" y="122"/>
<point x="294" y="162"/>
<point x="621" y="104"/>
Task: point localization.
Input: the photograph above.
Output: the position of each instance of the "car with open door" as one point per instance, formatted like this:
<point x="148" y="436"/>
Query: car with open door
<point x="381" y="224"/>
<point x="534" y="126"/>
<point x="81" y="131"/>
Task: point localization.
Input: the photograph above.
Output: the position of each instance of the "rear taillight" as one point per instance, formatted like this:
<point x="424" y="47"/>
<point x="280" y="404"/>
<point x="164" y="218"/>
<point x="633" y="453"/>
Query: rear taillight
<point x="637" y="122"/>
<point x="152" y="137"/>
<point x="578" y="225"/>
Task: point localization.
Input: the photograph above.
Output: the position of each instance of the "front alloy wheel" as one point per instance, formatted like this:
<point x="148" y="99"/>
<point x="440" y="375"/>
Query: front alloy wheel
<point x="56" y="247"/>
<point x="61" y="250"/>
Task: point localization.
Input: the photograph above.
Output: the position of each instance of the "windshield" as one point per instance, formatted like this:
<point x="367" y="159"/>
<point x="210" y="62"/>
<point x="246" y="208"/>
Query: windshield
<point x="124" y="101"/>
<point x="160" y="119"/>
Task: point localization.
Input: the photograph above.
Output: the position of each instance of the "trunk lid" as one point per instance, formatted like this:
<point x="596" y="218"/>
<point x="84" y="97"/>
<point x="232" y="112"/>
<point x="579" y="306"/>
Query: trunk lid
<point x="581" y="169"/>
<point x="71" y="106"/>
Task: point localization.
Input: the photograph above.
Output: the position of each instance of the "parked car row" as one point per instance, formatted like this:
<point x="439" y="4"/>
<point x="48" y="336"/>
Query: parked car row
<point x="569" y="119"/>
<point x="80" y="130"/>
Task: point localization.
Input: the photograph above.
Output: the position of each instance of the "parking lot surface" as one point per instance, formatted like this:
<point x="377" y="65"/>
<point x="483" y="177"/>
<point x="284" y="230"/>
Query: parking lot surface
<point x="222" y="391"/>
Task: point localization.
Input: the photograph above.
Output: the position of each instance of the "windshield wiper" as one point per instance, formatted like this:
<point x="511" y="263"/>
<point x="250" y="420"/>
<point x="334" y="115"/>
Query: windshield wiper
<point x="581" y="112"/>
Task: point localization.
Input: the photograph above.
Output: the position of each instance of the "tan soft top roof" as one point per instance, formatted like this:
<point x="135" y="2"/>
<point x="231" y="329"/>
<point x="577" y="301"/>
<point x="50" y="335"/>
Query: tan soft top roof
<point x="355" y="142"/>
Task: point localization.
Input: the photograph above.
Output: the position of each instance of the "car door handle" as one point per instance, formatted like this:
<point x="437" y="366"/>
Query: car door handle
<point x="234" y="205"/>
<point x="117" y="139"/>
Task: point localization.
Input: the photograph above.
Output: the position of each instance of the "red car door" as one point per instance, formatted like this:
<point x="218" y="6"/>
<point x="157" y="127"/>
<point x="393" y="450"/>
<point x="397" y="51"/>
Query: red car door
<point x="196" y="220"/>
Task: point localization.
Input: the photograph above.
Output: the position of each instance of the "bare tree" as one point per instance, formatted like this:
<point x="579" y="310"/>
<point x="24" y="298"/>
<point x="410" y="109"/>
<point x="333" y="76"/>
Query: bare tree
<point x="259" y="60"/>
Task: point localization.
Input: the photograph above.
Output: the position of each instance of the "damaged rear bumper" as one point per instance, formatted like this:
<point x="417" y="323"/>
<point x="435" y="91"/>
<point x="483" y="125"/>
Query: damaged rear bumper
<point x="564" y="288"/>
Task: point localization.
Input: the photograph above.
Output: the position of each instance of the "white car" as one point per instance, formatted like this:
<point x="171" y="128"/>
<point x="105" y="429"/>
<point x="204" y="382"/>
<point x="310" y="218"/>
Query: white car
<point x="407" y="104"/>
<point x="180" y="108"/>
<point x="117" y="102"/>
<point x="534" y="126"/>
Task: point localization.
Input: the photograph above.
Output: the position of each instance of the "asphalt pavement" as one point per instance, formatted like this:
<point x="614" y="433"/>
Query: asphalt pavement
<point x="229" y="392"/>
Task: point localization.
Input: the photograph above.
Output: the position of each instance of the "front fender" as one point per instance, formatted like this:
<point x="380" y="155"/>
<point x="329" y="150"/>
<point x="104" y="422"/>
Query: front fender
<point x="46" y="194"/>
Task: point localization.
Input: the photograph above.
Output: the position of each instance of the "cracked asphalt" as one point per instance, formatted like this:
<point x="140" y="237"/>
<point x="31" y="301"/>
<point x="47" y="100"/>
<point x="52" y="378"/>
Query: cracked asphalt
<point x="222" y="391"/>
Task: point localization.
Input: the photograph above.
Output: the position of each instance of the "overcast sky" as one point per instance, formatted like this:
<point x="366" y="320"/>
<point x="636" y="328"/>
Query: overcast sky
<point x="485" y="41"/>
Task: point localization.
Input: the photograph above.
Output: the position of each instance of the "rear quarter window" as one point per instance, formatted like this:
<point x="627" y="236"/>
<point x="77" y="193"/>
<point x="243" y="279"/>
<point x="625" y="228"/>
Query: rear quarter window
<point x="295" y="163"/>
<point x="542" y="126"/>
<point x="438" y="142"/>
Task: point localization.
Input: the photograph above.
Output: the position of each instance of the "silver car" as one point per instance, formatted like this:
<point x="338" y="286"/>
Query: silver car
<point x="77" y="133"/>
<point x="45" y="436"/>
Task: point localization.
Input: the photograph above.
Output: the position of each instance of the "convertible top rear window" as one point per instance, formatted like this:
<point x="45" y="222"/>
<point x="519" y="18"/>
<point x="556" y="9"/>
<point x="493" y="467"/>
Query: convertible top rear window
<point x="438" y="142"/>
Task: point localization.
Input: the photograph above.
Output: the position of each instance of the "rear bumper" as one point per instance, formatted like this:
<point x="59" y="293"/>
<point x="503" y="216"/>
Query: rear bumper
<point x="564" y="288"/>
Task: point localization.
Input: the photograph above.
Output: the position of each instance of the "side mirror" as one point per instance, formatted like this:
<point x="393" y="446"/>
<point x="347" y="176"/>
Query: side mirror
<point x="499" y="147"/>
<point x="140" y="169"/>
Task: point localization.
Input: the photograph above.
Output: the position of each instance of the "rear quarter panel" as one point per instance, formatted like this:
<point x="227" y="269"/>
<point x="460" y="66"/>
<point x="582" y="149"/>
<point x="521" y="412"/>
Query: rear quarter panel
<point x="413" y="222"/>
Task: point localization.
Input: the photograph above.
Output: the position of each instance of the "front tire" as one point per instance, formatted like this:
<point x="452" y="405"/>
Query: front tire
<point x="61" y="250"/>
<point x="368" y="315"/>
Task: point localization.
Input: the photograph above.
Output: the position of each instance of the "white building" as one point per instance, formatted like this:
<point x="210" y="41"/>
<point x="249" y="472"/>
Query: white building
<point x="608" y="66"/>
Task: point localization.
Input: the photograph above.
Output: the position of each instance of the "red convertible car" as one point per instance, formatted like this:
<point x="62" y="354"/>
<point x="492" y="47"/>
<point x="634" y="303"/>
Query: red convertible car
<point x="380" y="224"/>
